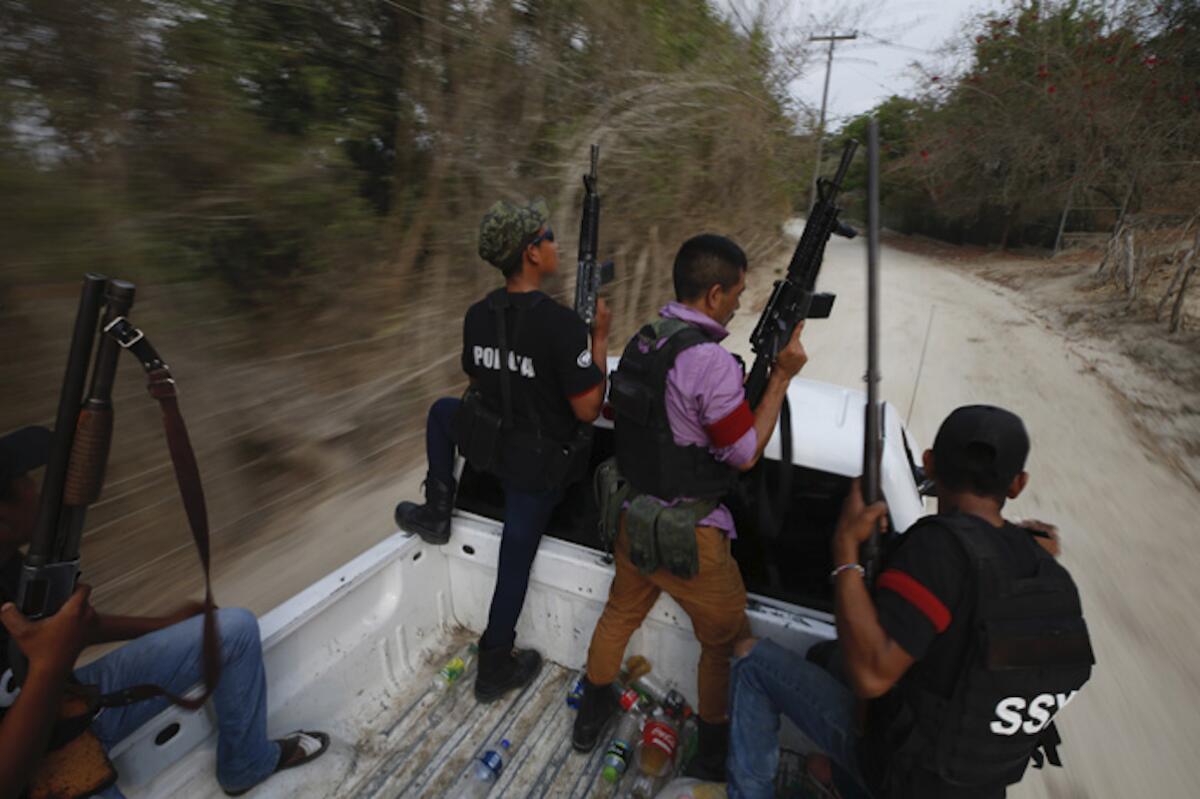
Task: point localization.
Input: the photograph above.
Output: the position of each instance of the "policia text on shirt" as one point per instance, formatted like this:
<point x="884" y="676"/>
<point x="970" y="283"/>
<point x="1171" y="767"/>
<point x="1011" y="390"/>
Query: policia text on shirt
<point x="536" y="385"/>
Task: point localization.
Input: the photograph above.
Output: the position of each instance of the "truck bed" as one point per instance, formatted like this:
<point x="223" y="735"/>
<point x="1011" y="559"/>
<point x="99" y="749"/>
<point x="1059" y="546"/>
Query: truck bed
<point x="355" y="655"/>
<point x="431" y="743"/>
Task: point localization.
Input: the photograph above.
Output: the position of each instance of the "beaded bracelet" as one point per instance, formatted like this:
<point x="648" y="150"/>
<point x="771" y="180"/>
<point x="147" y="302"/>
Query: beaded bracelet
<point x="847" y="567"/>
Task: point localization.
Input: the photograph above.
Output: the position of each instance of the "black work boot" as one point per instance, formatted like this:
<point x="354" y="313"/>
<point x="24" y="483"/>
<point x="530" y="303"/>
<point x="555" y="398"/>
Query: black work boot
<point x="431" y="521"/>
<point x="709" y="762"/>
<point x="501" y="670"/>
<point x="597" y="706"/>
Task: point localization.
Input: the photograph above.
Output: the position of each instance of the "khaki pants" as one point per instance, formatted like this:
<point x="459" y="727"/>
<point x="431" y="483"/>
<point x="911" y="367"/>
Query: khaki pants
<point x="714" y="599"/>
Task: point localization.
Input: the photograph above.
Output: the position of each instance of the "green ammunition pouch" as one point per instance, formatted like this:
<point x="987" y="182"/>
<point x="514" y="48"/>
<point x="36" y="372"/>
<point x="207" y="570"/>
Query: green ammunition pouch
<point x="660" y="536"/>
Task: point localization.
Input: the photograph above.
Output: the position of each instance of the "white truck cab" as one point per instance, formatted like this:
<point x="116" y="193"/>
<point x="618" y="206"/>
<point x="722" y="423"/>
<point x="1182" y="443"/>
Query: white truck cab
<point x="354" y="654"/>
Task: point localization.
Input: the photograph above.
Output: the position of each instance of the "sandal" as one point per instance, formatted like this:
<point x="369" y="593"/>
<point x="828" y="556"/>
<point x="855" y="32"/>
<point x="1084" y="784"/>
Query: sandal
<point x="298" y="748"/>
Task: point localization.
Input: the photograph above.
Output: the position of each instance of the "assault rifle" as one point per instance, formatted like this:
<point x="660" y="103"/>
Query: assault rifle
<point x="873" y="427"/>
<point x="591" y="275"/>
<point x="793" y="299"/>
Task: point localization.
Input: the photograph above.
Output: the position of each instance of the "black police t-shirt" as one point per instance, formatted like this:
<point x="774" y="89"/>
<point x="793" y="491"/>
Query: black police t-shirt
<point x="925" y="596"/>
<point x="550" y="359"/>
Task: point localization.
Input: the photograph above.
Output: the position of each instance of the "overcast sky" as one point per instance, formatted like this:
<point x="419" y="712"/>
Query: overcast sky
<point x="892" y="34"/>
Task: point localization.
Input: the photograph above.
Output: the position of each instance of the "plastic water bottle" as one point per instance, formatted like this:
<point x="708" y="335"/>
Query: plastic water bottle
<point x="491" y="763"/>
<point x="487" y="771"/>
<point x="455" y="669"/>
<point x="620" y="751"/>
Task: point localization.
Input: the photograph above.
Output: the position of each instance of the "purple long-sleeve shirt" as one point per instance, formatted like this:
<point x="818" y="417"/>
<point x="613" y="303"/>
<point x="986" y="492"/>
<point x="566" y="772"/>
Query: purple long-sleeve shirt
<point x="706" y="402"/>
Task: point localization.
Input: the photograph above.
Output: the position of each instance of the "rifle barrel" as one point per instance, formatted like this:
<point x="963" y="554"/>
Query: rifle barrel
<point x="93" y="433"/>
<point x="42" y="545"/>
<point x="844" y="164"/>
<point x="873" y="437"/>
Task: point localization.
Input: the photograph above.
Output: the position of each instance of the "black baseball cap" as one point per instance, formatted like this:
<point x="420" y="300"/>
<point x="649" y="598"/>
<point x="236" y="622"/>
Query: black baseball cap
<point x="980" y="448"/>
<point x="23" y="451"/>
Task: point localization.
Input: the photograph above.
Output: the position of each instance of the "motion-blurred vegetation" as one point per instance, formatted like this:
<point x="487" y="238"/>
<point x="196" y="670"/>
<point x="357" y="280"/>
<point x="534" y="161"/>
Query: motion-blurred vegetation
<point x="259" y="141"/>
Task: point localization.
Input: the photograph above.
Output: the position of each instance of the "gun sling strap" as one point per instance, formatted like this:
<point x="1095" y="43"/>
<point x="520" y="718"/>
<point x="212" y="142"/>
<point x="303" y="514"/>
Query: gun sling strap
<point x="161" y="387"/>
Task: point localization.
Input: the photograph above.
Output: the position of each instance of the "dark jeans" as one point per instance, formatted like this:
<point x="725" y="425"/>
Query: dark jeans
<point x="771" y="681"/>
<point x="439" y="446"/>
<point x="526" y="514"/>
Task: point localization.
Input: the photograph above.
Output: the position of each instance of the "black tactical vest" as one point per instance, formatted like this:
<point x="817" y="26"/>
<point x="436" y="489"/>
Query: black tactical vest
<point x="647" y="455"/>
<point x="1028" y="654"/>
<point x="510" y="446"/>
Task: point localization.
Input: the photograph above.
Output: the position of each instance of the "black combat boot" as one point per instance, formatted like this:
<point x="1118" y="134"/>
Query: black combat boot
<point x="597" y="706"/>
<point x="709" y="762"/>
<point x="501" y="670"/>
<point x="431" y="521"/>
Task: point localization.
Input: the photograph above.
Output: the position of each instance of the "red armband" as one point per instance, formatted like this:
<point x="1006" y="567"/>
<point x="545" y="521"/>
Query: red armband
<point x="918" y="596"/>
<point x="726" y="432"/>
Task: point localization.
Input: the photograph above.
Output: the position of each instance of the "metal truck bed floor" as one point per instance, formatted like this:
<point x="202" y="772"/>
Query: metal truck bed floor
<point x="428" y="748"/>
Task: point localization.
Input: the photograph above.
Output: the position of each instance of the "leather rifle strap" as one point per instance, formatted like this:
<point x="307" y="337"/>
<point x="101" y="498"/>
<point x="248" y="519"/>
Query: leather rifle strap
<point x="161" y="387"/>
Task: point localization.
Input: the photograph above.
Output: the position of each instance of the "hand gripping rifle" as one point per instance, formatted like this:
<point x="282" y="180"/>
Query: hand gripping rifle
<point x="591" y="275"/>
<point x="75" y="476"/>
<point x="873" y="427"/>
<point x="792" y="301"/>
<point x="872" y="488"/>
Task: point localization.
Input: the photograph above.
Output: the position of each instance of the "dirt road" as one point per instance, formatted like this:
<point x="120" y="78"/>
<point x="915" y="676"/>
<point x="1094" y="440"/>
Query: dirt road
<point x="1127" y="520"/>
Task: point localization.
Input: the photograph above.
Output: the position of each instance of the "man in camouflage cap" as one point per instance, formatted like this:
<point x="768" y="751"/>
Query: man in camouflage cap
<point x="537" y="383"/>
<point x="507" y="228"/>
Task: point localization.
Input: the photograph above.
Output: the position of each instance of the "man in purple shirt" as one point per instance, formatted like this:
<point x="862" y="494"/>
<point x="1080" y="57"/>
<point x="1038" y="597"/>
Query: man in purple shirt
<point x="684" y="431"/>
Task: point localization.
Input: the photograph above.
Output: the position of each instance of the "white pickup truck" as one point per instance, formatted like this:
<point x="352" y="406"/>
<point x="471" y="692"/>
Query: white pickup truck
<point x="355" y="653"/>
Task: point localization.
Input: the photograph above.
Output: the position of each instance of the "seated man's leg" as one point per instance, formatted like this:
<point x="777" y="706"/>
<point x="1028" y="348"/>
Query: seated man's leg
<point x="771" y="681"/>
<point x="171" y="658"/>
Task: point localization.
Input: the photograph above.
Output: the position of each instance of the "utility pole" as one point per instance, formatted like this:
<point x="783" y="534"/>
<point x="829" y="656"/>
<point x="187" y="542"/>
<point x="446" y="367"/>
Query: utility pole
<point x="832" y="38"/>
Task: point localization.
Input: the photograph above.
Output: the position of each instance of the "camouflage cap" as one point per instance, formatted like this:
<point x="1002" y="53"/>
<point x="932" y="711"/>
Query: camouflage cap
<point x="507" y="226"/>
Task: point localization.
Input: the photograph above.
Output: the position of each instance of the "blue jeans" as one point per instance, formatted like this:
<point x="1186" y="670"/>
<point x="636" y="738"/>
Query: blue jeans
<point x="526" y="514"/>
<point x="172" y="658"/>
<point x="770" y="681"/>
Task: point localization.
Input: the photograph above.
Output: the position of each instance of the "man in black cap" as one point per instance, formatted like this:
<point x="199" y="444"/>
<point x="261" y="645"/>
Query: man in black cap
<point x="537" y="383"/>
<point x="164" y="651"/>
<point x="971" y="642"/>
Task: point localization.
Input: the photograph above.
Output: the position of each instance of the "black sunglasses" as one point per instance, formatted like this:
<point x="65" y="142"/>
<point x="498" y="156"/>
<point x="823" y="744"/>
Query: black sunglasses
<point x="545" y="235"/>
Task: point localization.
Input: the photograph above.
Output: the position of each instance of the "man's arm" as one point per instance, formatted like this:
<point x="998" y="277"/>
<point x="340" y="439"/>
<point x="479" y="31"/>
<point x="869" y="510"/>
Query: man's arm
<point x="52" y="645"/>
<point x="787" y="365"/>
<point x="874" y="661"/>
<point x="587" y="405"/>
<point x="110" y="629"/>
